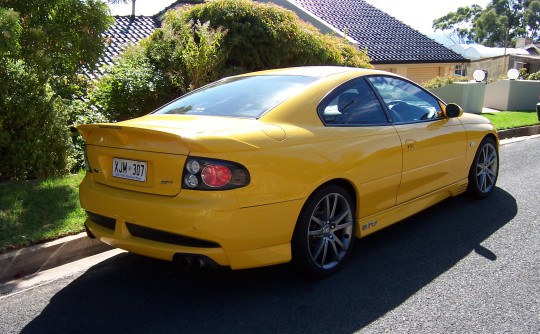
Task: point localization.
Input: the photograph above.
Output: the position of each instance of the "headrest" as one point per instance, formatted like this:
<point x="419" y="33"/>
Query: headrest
<point x="346" y="100"/>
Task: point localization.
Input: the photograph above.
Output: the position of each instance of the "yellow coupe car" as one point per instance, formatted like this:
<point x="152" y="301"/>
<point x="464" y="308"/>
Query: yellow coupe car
<point x="279" y="166"/>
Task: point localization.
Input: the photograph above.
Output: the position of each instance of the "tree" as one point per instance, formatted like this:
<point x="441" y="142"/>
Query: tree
<point x="532" y="17"/>
<point x="491" y="29"/>
<point x="499" y="24"/>
<point x="456" y="25"/>
<point x="60" y="37"/>
<point x="10" y="28"/>
<point x="44" y="45"/>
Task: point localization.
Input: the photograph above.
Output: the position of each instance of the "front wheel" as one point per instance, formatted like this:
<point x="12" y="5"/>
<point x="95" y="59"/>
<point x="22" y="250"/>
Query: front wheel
<point x="324" y="234"/>
<point x="484" y="170"/>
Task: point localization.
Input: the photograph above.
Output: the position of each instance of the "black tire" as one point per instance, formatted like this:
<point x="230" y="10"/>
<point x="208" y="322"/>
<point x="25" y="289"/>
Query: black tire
<point x="325" y="232"/>
<point x="484" y="170"/>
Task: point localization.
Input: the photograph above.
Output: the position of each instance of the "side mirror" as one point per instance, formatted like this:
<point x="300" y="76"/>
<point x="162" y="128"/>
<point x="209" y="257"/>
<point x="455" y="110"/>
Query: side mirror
<point x="452" y="110"/>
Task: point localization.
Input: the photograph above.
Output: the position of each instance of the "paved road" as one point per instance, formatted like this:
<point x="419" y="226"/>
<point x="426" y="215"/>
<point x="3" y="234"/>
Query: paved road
<point x="463" y="266"/>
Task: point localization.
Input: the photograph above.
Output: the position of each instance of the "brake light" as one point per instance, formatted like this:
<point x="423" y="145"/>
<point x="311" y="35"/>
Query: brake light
<point x="214" y="174"/>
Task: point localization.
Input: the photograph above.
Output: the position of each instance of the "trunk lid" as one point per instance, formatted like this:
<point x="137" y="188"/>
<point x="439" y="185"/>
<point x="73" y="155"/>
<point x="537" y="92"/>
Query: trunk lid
<point x="148" y="154"/>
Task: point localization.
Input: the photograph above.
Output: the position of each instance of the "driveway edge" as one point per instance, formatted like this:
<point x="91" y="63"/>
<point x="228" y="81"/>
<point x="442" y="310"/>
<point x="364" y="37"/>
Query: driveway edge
<point x="29" y="260"/>
<point x="519" y="132"/>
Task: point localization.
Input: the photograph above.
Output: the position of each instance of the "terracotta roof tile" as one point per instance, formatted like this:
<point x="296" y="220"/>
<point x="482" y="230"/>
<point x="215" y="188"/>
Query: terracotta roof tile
<point x="387" y="39"/>
<point x="124" y="32"/>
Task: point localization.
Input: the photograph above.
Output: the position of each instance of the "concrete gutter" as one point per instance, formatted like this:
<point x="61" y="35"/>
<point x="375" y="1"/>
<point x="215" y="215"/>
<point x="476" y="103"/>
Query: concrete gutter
<point x="33" y="259"/>
<point x="27" y="261"/>
<point x="519" y="132"/>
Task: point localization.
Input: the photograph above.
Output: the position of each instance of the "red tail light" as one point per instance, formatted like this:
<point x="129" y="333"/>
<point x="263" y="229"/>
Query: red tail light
<point x="214" y="174"/>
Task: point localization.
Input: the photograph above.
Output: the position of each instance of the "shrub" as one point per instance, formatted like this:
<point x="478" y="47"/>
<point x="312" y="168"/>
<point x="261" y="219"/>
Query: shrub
<point x="188" y="52"/>
<point x="130" y="88"/>
<point x="81" y="112"/>
<point x="534" y="76"/>
<point x="263" y="36"/>
<point x="34" y="139"/>
<point x="438" y="82"/>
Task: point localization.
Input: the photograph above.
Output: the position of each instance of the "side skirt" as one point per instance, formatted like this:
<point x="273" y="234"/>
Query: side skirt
<point x="393" y="215"/>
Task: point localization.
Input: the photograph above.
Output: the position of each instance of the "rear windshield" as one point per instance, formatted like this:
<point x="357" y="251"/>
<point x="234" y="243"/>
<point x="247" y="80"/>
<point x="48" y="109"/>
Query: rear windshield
<point x="239" y="97"/>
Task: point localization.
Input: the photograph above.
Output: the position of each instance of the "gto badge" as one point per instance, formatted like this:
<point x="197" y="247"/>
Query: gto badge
<point x="369" y="225"/>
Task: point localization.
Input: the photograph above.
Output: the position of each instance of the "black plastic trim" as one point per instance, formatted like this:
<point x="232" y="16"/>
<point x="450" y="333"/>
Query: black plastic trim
<point x="106" y="222"/>
<point x="168" y="238"/>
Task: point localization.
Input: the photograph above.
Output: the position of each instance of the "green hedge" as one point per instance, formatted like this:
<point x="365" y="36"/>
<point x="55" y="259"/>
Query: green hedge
<point x="262" y="36"/>
<point x="533" y="76"/>
<point x="132" y="87"/>
<point x="34" y="139"/>
<point x="443" y="81"/>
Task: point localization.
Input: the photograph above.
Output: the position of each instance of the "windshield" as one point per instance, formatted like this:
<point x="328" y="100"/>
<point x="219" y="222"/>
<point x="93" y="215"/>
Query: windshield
<point x="239" y="97"/>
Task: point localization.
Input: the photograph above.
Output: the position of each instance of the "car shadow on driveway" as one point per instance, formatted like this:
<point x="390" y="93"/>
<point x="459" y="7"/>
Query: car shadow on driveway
<point x="129" y="293"/>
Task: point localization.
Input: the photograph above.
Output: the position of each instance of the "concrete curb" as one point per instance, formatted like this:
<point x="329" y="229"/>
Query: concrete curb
<point x="519" y="132"/>
<point x="51" y="254"/>
<point x="36" y="258"/>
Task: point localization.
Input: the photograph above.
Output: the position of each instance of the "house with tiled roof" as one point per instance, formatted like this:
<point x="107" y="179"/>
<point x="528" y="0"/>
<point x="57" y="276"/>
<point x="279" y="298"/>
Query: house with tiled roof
<point x="496" y="62"/>
<point x="392" y="45"/>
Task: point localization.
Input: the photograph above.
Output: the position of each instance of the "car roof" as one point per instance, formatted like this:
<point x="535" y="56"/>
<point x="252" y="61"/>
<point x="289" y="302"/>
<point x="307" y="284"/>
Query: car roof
<point x="314" y="71"/>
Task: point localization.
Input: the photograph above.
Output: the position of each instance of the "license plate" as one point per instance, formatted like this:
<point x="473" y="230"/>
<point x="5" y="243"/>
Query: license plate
<point x="129" y="169"/>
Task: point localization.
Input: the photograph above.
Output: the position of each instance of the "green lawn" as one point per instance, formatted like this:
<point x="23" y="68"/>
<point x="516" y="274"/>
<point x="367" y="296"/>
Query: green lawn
<point x="512" y="119"/>
<point x="39" y="210"/>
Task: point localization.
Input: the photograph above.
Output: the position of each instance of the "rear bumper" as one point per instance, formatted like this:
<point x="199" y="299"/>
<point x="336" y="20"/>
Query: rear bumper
<point x="200" y="223"/>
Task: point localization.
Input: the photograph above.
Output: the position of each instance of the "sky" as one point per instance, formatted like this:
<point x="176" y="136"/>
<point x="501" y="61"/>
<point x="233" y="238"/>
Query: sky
<point x="418" y="14"/>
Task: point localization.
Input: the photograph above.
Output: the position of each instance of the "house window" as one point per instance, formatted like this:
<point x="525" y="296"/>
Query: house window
<point x="460" y="70"/>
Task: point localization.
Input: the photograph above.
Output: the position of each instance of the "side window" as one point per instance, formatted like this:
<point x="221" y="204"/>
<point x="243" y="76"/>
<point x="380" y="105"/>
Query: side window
<point x="354" y="103"/>
<point x="406" y="102"/>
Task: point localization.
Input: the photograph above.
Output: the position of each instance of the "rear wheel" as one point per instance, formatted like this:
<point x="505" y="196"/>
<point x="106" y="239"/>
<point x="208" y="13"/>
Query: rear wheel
<point x="324" y="234"/>
<point x="484" y="170"/>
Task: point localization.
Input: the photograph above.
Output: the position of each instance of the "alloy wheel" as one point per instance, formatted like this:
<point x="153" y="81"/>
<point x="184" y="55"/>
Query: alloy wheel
<point x="487" y="166"/>
<point x="330" y="231"/>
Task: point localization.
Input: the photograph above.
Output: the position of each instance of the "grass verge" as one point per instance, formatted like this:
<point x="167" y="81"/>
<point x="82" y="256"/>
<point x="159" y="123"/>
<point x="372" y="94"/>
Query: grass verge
<point x="39" y="210"/>
<point x="512" y="119"/>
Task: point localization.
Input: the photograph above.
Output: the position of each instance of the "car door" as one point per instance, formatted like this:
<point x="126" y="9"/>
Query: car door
<point x="434" y="147"/>
<point x="368" y="148"/>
